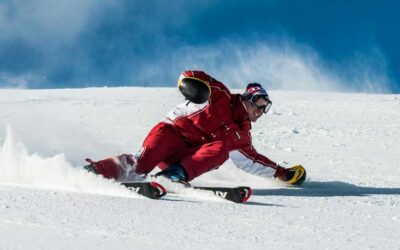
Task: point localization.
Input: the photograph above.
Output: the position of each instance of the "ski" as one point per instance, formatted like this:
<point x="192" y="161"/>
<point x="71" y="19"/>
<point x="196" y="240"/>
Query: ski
<point x="152" y="190"/>
<point x="235" y="194"/>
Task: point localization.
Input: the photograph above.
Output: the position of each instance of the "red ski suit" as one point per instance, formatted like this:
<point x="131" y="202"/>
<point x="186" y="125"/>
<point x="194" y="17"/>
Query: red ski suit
<point x="203" y="136"/>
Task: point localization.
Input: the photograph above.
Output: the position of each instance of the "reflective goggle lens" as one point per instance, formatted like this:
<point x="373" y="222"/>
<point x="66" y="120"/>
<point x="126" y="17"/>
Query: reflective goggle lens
<point x="265" y="107"/>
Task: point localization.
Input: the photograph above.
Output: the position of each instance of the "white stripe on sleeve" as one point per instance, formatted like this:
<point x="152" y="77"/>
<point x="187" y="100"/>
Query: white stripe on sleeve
<point x="250" y="166"/>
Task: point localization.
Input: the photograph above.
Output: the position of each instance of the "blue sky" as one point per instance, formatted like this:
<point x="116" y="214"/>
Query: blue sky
<point x="296" y="45"/>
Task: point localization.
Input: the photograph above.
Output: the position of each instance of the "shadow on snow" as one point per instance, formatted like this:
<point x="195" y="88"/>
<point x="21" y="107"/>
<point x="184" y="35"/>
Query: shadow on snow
<point x="328" y="189"/>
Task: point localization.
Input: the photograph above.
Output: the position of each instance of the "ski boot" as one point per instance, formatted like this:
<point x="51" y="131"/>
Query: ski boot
<point x="175" y="173"/>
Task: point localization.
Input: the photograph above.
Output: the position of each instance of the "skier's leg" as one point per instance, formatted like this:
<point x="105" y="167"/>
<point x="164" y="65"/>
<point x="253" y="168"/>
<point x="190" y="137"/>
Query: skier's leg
<point x="161" y="142"/>
<point x="177" y="157"/>
<point x="208" y="157"/>
<point x="118" y="167"/>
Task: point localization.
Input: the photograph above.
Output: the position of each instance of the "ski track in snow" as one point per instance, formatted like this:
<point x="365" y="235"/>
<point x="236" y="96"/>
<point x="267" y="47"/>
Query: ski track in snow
<point x="349" y="144"/>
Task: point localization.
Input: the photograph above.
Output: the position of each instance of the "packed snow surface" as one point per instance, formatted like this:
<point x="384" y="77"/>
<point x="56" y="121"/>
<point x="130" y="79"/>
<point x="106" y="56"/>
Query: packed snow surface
<point x="349" y="144"/>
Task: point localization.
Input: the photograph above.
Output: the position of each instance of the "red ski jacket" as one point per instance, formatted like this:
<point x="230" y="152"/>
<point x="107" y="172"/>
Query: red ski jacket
<point x="222" y="118"/>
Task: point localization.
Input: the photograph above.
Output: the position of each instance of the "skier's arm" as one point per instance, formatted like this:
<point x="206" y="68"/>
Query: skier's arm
<point x="249" y="160"/>
<point x="217" y="89"/>
<point x="182" y="114"/>
<point x="252" y="162"/>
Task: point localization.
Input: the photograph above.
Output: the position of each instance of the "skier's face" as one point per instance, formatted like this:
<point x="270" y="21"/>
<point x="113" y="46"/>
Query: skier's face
<point x="257" y="109"/>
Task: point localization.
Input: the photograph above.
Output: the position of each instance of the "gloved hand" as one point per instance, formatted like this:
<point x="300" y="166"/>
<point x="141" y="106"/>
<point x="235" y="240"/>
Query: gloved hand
<point x="295" y="175"/>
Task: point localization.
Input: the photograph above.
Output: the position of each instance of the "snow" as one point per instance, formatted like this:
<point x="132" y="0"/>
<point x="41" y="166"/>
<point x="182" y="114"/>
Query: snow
<point x="349" y="144"/>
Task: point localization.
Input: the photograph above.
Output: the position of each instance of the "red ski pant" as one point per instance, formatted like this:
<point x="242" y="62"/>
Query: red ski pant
<point x="164" y="146"/>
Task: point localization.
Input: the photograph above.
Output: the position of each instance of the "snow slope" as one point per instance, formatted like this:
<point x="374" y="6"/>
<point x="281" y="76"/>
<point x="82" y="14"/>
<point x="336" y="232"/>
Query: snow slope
<point x="349" y="144"/>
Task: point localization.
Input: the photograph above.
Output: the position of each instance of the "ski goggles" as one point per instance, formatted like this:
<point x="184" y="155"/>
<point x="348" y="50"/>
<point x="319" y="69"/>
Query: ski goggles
<point x="264" y="108"/>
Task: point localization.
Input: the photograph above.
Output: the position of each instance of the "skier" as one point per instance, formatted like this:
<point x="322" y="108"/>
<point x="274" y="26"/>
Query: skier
<point x="200" y="135"/>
